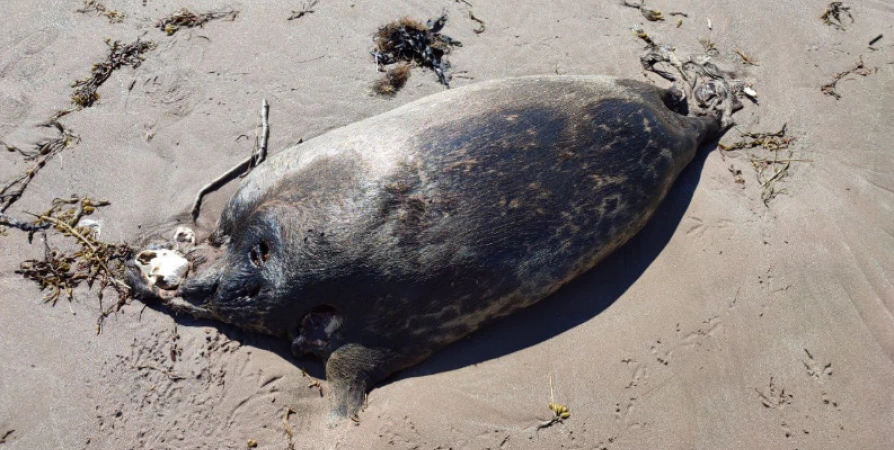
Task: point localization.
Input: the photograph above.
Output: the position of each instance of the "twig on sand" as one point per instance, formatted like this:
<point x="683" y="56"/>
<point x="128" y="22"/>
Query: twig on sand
<point x="252" y="161"/>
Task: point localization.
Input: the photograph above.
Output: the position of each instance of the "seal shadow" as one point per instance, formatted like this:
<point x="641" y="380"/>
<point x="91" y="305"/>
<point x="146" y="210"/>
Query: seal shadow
<point x="581" y="299"/>
<point x="573" y="304"/>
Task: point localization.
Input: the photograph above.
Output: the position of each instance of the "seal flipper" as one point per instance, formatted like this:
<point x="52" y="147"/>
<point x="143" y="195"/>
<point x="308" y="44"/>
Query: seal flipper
<point x="352" y="370"/>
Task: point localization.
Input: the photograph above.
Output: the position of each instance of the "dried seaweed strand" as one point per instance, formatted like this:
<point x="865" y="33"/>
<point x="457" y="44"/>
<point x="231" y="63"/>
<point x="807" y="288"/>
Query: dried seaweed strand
<point x="306" y="9"/>
<point x="61" y="272"/>
<point x="833" y="13"/>
<point x="85" y="94"/>
<point x="13" y="189"/>
<point x="100" y="9"/>
<point x="185" y="18"/>
<point x="652" y="15"/>
<point x="481" y="25"/>
<point x="858" y="69"/>
<point x="770" y="141"/>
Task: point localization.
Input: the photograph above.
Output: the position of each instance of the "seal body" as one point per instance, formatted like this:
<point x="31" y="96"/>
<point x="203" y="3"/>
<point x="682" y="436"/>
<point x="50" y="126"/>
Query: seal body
<point x="376" y="244"/>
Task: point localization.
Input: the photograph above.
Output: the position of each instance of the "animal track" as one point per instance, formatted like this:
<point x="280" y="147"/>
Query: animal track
<point x="817" y="370"/>
<point x="774" y="397"/>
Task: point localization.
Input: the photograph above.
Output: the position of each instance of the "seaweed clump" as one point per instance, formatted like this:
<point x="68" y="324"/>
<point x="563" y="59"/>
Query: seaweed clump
<point x="93" y="261"/>
<point x="410" y="41"/>
<point x="185" y="18"/>
<point x="834" y="12"/>
<point x="393" y="80"/>
<point x="120" y="55"/>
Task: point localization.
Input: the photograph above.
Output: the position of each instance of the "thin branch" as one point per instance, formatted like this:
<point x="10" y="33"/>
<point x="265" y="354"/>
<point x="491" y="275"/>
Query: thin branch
<point x="257" y="157"/>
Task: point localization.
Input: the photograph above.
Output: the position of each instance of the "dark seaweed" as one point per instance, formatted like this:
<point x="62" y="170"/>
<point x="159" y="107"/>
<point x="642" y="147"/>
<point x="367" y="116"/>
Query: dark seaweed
<point x="409" y="41"/>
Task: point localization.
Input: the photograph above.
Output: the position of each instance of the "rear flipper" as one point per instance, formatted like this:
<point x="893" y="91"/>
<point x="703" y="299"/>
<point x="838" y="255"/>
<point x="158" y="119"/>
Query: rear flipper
<point x="352" y="370"/>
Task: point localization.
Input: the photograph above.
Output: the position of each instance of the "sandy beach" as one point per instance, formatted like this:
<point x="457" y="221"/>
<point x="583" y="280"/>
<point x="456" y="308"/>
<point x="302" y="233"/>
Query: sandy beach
<point x="750" y="313"/>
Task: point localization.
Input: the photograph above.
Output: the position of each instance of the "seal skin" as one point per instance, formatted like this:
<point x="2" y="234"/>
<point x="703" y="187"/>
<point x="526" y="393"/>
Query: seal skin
<point x="417" y="226"/>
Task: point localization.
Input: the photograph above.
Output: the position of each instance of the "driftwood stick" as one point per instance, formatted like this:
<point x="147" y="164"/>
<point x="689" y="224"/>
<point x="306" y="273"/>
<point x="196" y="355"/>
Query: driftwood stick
<point x="260" y="153"/>
<point x="243" y="167"/>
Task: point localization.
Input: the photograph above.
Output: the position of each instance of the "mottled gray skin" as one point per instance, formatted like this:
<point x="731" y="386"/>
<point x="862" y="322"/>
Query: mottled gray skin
<point x="419" y="225"/>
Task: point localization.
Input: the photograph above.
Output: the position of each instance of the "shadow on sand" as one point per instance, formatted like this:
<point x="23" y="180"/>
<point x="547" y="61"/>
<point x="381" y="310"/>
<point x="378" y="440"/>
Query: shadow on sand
<point x="574" y="304"/>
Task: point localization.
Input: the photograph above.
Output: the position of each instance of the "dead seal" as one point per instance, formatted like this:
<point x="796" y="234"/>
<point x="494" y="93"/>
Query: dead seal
<point x="376" y="244"/>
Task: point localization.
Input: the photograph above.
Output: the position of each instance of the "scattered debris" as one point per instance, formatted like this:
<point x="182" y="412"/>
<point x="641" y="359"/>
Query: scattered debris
<point x="709" y="46"/>
<point x="94" y="261"/>
<point x="313" y="383"/>
<point x="252" y="443"/>
<point x="407" y="40"/>
<point x="185" y="18"/>
<point x="751" y="93"/>
<point x="779" y="140"/>
<point x="85" y="94"/>
<point x="6" y="435"/>
<point x="746" y="59"/>
<point x="652" y="15"/>
<point x="709" y="25"/>
<point x="769" y="171"/>
<point x="876" y="39"/>
<point x="560" y="411"/>
<point x="306" y="9"/>
<point x="257" y="157"/>
<point x="44" y="151"/>
<point x="91" y="6"/>
<point x="481" y="25"/>
<point x="393" y="80"/>
<point x="858" y="69"/>
<point x="640" y="33"/>
<point x="682" y="14"/>
<point x="679" y="23"/>
<point x="832" y="15"/>
<point x="737" y="175"/>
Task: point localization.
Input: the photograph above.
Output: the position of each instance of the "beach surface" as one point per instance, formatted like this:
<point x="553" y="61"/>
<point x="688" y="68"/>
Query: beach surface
<point x="732" y="321"/>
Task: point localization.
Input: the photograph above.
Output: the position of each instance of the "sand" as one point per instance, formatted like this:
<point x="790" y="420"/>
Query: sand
<point x="725" y="324"/>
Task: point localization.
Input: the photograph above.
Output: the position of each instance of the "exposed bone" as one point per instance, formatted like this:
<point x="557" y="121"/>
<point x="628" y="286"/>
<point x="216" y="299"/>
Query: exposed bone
<point x="163" y="268"/>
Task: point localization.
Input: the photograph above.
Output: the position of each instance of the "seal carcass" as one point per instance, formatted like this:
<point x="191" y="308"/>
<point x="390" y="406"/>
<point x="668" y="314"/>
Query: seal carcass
<point x="376" y="244"/>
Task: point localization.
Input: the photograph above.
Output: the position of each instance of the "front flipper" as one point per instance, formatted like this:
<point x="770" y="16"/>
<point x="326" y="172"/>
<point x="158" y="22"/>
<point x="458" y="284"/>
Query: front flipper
<point x="352" y="370"/>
